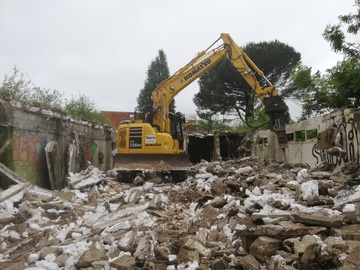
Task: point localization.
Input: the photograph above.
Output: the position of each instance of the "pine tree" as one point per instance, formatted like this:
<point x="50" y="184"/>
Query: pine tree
<point x="158" y="71"/>
<point x="223" y="91"/>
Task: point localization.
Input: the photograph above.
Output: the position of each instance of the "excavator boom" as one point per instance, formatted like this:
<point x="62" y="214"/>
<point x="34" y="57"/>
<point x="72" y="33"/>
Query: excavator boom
<point x="162" y="138"/>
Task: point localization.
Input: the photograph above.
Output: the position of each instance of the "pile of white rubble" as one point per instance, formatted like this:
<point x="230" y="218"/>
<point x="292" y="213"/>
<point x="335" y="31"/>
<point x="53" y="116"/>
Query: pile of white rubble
<point x="237" y="214"/>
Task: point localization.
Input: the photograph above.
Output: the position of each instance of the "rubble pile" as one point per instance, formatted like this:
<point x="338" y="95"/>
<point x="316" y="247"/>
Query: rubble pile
<point x="238" y="214"/>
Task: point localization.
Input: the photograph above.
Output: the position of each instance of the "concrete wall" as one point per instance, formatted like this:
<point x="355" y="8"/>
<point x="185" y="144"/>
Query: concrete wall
<point x="303" y="143"/>
<point x="25" y="131"/>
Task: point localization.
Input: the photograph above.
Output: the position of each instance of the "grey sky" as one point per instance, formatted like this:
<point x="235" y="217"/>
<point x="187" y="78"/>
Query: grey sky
<point x="103" y="48"/>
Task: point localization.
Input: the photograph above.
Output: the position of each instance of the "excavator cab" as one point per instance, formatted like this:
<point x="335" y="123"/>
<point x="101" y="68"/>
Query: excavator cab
<point x="177" y="121"/>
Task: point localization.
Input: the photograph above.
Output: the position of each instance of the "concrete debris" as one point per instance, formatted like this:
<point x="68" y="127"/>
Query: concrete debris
<point x="238" y="214"/>
<point x="336" y="151"/>
<point x="53" y="165"/>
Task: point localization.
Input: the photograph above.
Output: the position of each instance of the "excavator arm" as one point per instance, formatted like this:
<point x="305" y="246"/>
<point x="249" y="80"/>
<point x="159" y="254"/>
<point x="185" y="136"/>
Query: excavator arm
<point x="162" y="138"/>
<point x="275" y="107"/>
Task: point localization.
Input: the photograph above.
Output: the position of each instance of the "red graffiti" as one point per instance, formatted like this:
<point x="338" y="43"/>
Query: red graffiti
<point x="29" y="148"/>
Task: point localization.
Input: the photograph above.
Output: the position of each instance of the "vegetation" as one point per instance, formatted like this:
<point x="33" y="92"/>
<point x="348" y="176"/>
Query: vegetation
<point x="157" y="72"/>
<point x="18" y="87"/>
<point x="82" y="107"/>
<point x="224" y="92"/>
<point x="338" y="40"/>
<point x="339" y="86"/>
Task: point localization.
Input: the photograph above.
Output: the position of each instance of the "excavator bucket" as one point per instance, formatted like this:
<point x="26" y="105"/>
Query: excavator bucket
<point x="276" y="108"/>
<point x="174" y="166"/>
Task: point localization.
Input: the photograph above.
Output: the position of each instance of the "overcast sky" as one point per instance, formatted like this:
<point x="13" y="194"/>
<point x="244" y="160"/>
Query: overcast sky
<point x="102" y="48"/>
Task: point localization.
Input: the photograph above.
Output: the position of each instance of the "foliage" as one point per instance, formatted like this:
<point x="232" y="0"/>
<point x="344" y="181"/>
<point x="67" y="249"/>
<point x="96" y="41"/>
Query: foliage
<point x="46" y="98"/>
<point x="312" y="90"/>
<point x="224" y="92"/>
<point x="18" y="87"/>
<point x="276" y="60"/>
<point x="211" y="123"/>
<point x="15" y="87"/>
<point x="214" y="126"/>
<point x="344" y="80"/>
<point x="82" y="107"/>
<point x="258" y="119"/>
<point x="336" y="36"/>
<point x="339" y="86"/>
<point x="157" y="72"/>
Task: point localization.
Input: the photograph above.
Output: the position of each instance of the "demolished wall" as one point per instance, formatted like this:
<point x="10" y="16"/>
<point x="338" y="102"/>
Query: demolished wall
<point x="25" y="131"/>
<point x="332" y="139"/>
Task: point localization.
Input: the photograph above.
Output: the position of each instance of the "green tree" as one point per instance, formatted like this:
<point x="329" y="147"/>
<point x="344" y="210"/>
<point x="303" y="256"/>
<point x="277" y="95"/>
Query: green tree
<point x="337" y="38"/>
<point x="312" y="90"/>
<point x="224" y="91"/>
<point x="276" y="60"/>
<point x="344" y="80"/>
<point x="339" y="86"/>
<point x="211" y="123"/>
<point x="84" y="108"/>
<point x="157" y="72"/>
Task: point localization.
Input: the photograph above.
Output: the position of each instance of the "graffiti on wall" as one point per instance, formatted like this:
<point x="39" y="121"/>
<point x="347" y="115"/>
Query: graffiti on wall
<point x="347" y="138"/>
<point x="91" y="149"/>
<point x="29" y="148"/>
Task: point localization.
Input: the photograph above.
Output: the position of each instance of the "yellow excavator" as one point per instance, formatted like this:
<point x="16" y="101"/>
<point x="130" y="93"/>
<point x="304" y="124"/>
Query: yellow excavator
<point x="158" y="142"/>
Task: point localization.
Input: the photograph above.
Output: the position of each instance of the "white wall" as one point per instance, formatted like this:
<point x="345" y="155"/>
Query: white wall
<point x="303" y="147"/>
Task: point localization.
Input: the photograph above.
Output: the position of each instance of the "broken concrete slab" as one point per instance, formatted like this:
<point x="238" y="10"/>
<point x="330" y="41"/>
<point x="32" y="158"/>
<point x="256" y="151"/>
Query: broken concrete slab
<point x="52" y="161"/>
<point x="349" y="232"/>
<point x="282" y="230"/>
<point x="123" y="262"/>
<point x="92" y="176"/>
<point x="264" y="247"/>
<point x="91" y="256"/>
<point x="39" y="194"/>
<point x="311" y="253"/>
<point x="248" y="262"/>
<point x="12" y="191"/>
<point x="12" y="177"/>
<point x="187" y="255"/>
<point x="352" y="261"/>
<point x="320" y="219"/>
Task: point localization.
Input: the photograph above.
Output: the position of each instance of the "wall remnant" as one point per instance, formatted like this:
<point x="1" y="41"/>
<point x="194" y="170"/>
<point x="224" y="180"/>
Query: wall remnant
<point x="54" y="168"/>
<point x="25" y="131"/>
<point x="332" y="139"/>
